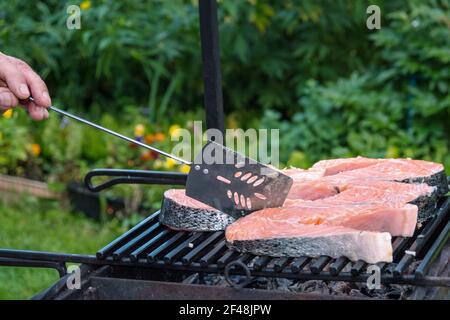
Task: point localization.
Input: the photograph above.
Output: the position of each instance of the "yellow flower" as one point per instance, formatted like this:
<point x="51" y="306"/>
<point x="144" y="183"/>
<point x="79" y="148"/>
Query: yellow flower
<point x="184" y="168"/>
<point x="158" y="164"/>
<point x="174" y="130"/>
<point x="139" y="130"/>
<point x="8" y="113"/>
<point x="35" y="149"/>
<point x="85" y="5"/>
<point x="170" y="163"/>
<point x="392" y="152"/>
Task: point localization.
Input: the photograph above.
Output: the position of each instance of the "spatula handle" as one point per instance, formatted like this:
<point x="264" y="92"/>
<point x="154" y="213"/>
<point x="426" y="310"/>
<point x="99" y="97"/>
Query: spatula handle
<point x="133" y="177"/>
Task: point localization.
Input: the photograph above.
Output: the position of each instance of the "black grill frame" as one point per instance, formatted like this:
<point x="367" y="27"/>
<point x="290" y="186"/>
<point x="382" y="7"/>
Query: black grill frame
<point x="210" y="254"/>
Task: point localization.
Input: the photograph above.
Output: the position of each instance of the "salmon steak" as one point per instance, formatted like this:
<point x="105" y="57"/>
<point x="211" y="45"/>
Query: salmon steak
<point x="294" y="240"/>
<point x="344" y="207"/>
<point x="398" y="220"/>
<point x="180" y="212"/>
<point x="400" y="170"/>
<point x="362" y="191"/>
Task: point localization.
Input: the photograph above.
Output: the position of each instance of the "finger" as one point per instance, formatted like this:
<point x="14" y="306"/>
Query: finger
<point x="14" y="78"/>
<point x="37" y="112"/>
<point x="7" y="99"/>
<point x="38" y="88"/>
<point x="35" y="83"/>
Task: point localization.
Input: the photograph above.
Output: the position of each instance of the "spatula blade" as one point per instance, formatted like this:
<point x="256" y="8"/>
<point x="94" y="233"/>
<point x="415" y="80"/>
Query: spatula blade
<point x="234" y="184"/>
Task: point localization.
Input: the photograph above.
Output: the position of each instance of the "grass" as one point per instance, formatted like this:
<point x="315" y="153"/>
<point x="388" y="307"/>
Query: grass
<point x="37" y="225"/>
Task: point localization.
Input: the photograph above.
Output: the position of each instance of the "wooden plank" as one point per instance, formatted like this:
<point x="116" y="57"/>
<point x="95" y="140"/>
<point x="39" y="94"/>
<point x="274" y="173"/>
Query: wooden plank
<point x="17" y="185"/>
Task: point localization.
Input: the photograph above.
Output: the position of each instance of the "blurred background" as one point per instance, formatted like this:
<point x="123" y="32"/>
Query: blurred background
<point x="310" y="68"/>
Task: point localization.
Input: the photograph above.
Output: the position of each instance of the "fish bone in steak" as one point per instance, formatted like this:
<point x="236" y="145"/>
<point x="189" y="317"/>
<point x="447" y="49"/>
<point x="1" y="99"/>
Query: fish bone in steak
<point x="293" y="240"/>
<point x="181" y="212"/>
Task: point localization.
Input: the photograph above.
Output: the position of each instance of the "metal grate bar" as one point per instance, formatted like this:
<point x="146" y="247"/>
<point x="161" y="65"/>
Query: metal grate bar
<point x="317" y="266"/>
<point x="151" y="257"/>
<point x="178" y="250"/>
<point x="399" y="250"/>
<point x="270" y="267"/>
<point x="106" y="250"/>
<point x="420" y="240"/>
<point x="210" y="256"/>
<point x="432" y="253"/>
<point x="158" y="238"/>
<point x="280" y="263"/>
<point x="338" y="265"/>
<point x="358" y="267"/>
<point x="396" y="245"/>
<point x="136" y="241"/>
<point x="299" y="263"/>
<point x="225" y="258"/>
<point x="261" y="262"/>
<point x="191" y="255"/>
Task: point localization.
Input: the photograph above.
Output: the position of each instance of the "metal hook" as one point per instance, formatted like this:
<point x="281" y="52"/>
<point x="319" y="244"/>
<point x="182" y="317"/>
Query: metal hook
<point x="248" y="274"/>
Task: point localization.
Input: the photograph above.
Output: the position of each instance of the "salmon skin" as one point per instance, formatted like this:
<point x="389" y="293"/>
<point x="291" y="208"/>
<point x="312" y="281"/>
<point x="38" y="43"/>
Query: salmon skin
<point x="180" y="212"/>
<point x="311" y="241"/>
<point x="338" y="205"/>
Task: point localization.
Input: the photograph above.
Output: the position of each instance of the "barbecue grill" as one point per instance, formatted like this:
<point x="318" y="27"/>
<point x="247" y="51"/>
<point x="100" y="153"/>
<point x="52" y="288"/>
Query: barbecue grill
<point x="153" y="262"/>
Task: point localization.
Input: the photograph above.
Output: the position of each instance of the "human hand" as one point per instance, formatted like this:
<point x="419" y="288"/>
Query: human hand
<point x="17" y="83"/>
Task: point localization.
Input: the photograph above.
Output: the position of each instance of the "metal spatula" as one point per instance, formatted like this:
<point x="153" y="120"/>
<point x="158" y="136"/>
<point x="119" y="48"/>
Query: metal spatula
<point x="237" y="185"/>
<point x="222" y="178"/>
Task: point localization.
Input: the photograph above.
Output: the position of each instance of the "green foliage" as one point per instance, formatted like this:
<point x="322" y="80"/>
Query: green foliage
<point x="13" y="142"/>
<point x="33" y="225"/>
<point x="416" y="53"/>
<point x="398" y="106"/>
<point x="125" y="50"/>
<point x="148" y="53"/>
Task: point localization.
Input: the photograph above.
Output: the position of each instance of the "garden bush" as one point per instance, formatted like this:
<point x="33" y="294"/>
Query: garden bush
<point x="148" y="52"/>
<point x="308" y="67"/>
<point x="398" y="106"/>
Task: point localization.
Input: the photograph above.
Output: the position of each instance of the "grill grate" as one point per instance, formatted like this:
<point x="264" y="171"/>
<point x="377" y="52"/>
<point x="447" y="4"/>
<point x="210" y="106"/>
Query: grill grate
<point x="150" y="244"/>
